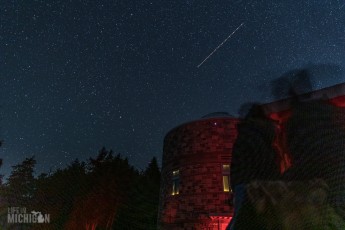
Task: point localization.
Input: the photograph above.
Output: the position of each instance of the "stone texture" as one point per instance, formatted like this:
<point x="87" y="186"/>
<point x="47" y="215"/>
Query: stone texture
<point x="198" y="150"/>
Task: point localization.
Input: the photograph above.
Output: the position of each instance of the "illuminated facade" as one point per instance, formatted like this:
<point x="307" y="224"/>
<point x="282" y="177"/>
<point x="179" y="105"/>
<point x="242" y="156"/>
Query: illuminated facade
<point x="195" y="191"/>
<point x="280" y="112"/>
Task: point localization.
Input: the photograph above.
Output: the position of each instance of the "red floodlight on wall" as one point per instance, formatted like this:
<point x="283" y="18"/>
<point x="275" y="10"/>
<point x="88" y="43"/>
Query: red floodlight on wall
<point x="195" y="191"/>
<point x="280" y="112"/>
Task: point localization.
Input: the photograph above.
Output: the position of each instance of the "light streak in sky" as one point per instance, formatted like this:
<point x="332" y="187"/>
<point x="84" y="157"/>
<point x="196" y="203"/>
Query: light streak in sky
<point x="220" y="45"/>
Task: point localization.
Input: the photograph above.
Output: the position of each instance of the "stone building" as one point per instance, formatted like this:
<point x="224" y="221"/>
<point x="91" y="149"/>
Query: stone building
<point x="195" y="187"/>
<point x="195" y="192"/>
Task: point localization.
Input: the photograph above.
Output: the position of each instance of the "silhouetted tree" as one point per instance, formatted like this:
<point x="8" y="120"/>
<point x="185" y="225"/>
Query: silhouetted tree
<point x="107" y="193"/>
<point x="57" y="192"/>
<point x="140" y="211"/>
<point x="152" y="172"/>
<point x="111" y="179"/>
<point x="20" y="186"/>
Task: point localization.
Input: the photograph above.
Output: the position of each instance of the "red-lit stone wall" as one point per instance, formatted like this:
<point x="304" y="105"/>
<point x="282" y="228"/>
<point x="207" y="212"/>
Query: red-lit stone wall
<point x="198" y="150"/>
<point x="280" y="142"/>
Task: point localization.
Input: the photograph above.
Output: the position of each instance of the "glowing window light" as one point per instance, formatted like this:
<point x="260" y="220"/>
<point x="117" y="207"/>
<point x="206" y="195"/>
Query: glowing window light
<point x="226" y="187"/>
<point x="176" y="183"/>
<point x="226" y="178"/>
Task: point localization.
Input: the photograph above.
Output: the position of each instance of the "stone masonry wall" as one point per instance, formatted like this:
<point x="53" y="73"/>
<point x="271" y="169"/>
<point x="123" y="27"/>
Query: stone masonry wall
<point x="198" y="150"/>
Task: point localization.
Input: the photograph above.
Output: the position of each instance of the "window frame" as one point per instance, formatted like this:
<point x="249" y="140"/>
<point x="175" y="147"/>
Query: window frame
<point x="226" y="178"/>
<point x="175" y="182"/>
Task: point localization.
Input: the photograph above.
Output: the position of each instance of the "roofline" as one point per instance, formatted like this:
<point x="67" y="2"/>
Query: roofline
<point x="324" y="93"/>
<point x="198" y="120"/>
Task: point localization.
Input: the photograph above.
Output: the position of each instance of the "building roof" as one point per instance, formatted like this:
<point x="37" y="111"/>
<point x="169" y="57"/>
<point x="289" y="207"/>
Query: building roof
<point x="332" y="92"/>
<point x="217" y="114"/>
<point x="210" y="116"/>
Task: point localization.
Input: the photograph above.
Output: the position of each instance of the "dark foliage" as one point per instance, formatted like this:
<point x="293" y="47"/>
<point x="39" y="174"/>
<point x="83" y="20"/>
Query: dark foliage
<point x="21" y="183"/>
<point x="142" y="209"/>
<point x="104" y="193"/>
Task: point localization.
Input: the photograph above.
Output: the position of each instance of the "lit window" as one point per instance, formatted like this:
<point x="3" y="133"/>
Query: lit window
<point x="226" y="187"/>
<point x="226" y="178"/>
<point x="176" y="183"/>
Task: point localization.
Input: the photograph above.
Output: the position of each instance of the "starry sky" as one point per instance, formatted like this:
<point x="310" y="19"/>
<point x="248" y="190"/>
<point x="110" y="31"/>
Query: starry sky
<point x="78" y="75"/>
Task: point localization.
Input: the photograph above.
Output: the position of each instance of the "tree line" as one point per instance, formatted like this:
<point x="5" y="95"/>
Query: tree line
<point x="104" y="192"/>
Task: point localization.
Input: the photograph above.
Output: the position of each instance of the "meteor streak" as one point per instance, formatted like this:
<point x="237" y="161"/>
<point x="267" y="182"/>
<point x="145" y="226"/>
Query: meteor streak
<point x="220" y="45"/>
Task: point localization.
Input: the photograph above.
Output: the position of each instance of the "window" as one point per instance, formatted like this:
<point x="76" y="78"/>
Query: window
<point x="226" y="187"/>
<point x="176" y="183"/>
<point x="226" y="178"/>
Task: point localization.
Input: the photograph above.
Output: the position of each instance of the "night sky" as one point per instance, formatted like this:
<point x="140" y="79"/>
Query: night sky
<point x="79" y="75"/>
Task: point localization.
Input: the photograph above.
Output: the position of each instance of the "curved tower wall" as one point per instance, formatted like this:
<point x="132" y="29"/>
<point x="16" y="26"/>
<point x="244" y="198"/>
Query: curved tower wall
<point x="192" y="188"/>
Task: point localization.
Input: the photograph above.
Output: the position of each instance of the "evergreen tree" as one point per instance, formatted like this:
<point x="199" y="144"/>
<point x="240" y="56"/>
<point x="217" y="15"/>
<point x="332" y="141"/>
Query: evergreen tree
<point x="57" y="192"/>
<point x="152" y="172"/>
<point x="141" y="211"/>
<point x="20" y="186"/>
<point x="111" y="179"/>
